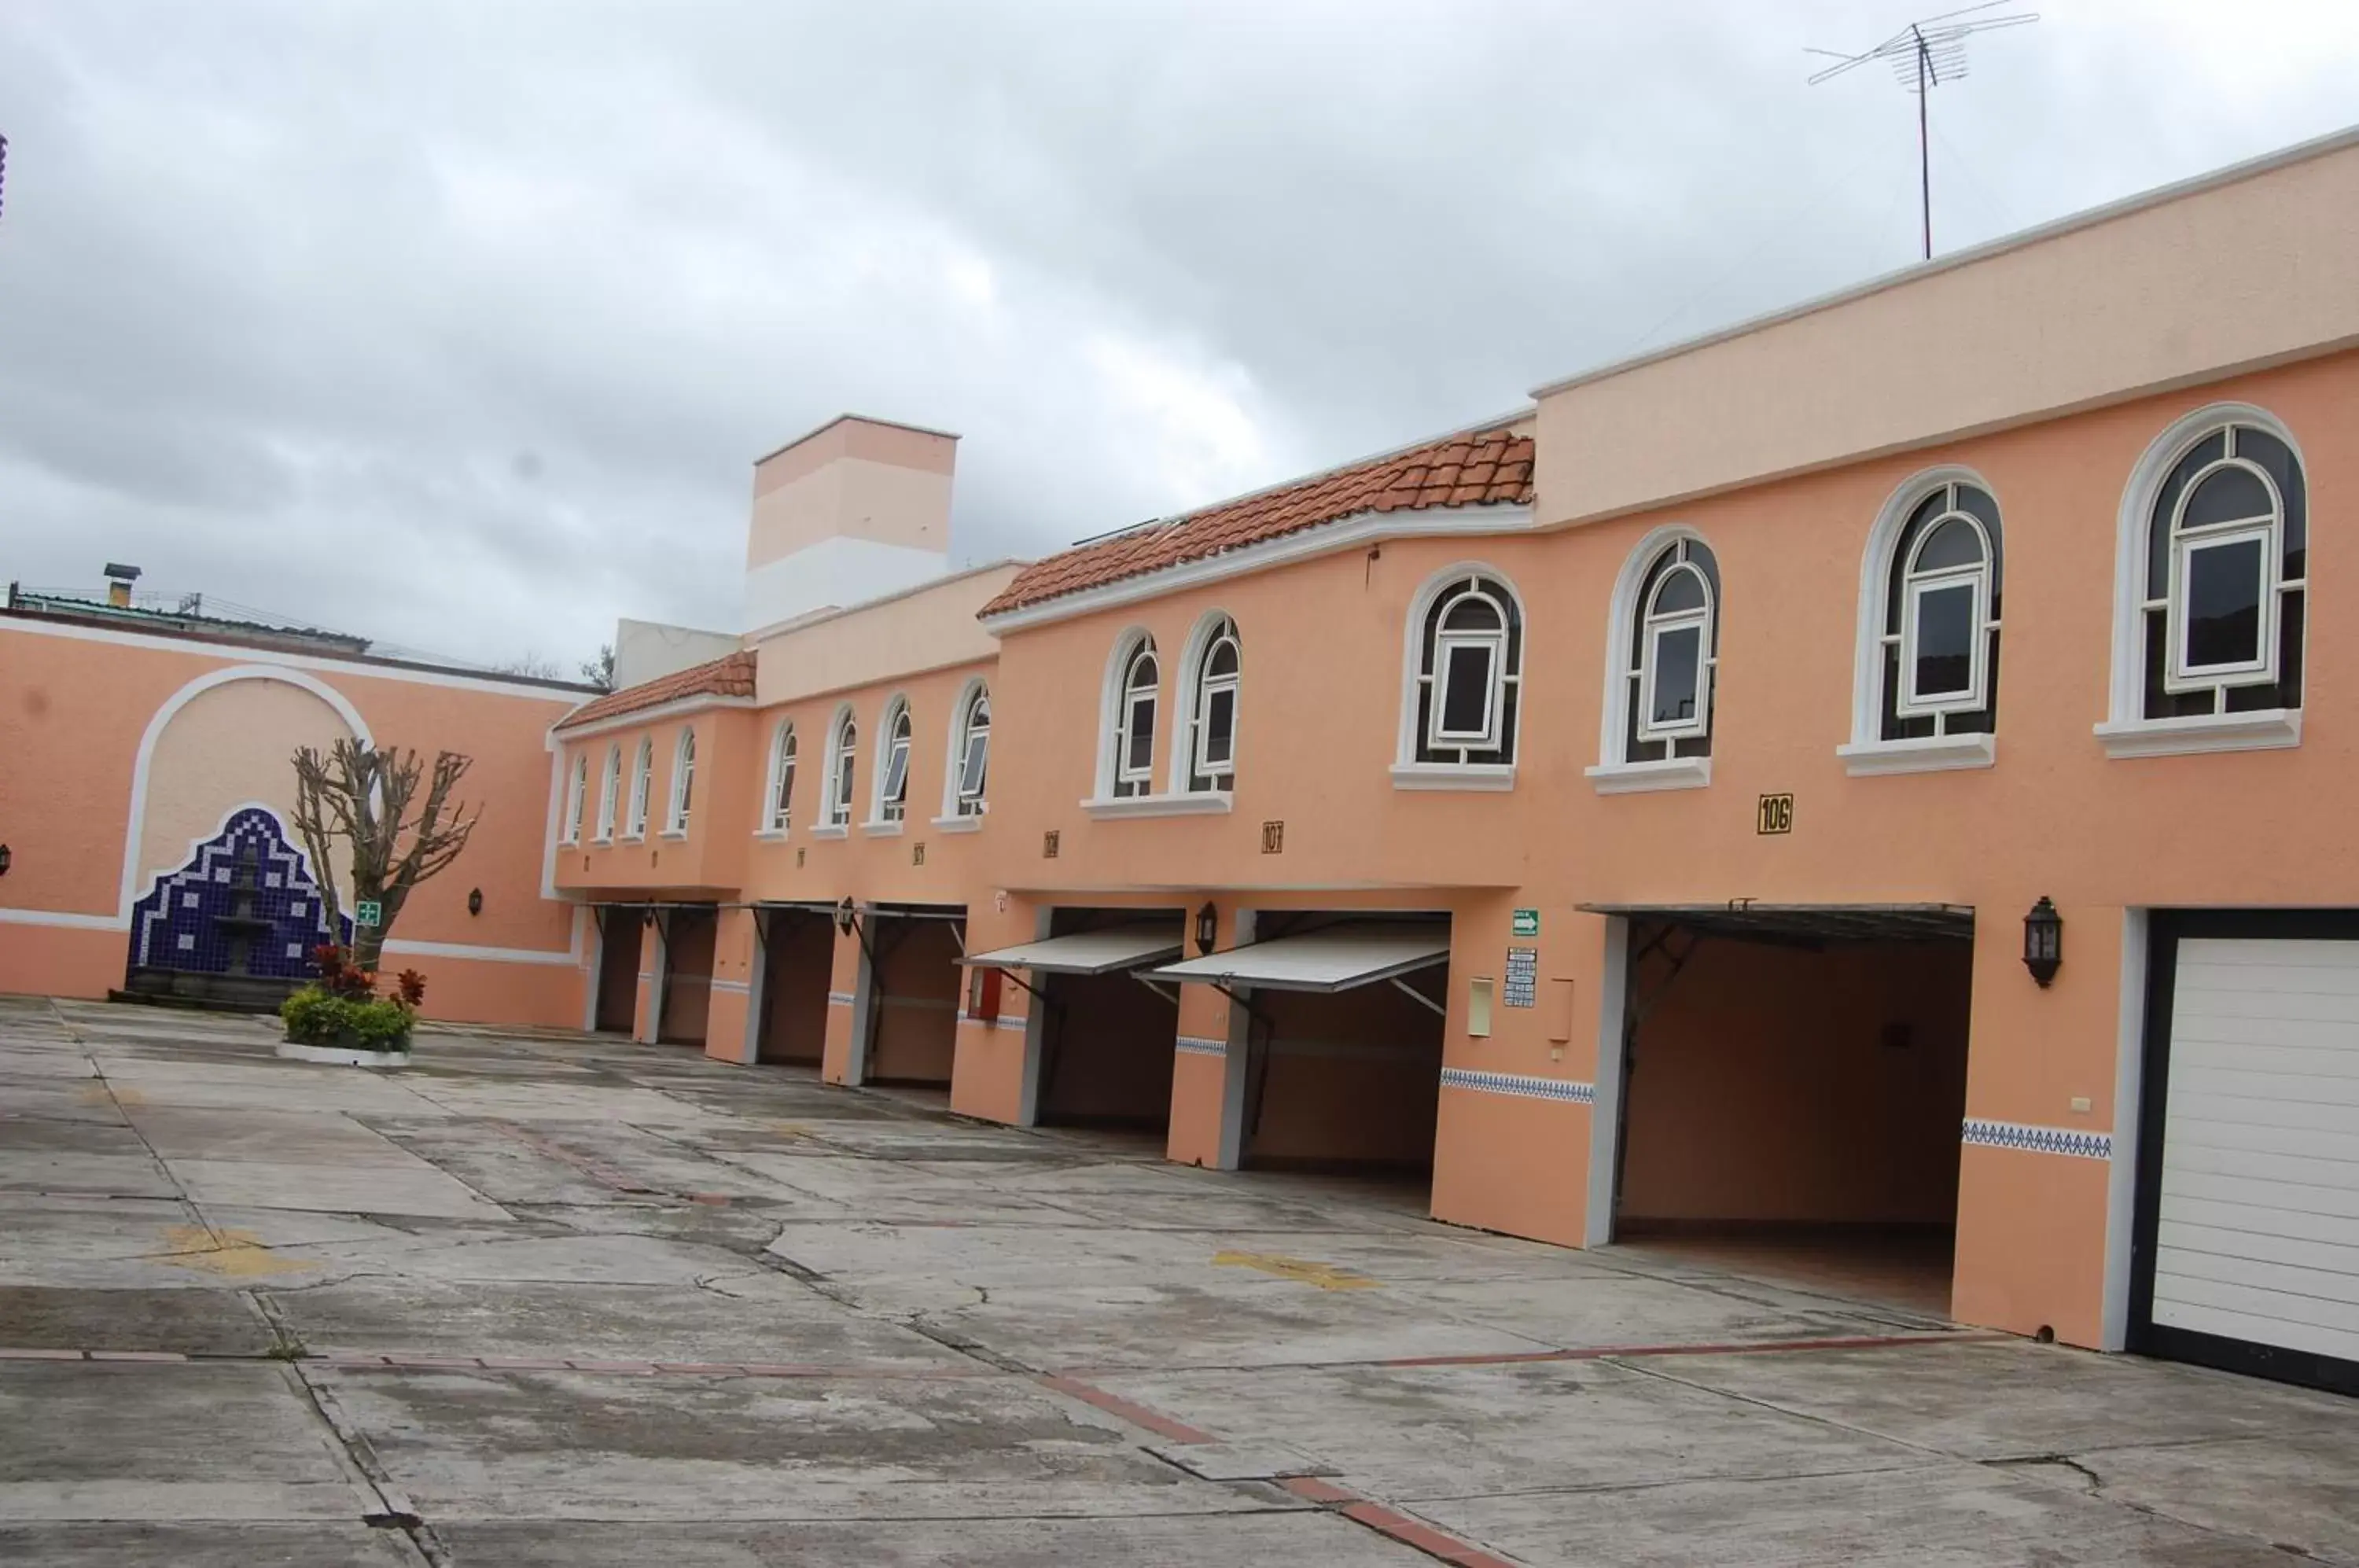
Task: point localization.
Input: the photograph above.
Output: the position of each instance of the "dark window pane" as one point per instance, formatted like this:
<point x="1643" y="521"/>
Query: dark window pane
<point x="1978" y="504"/>
<point x="1223" y="659"/>
<point x="2224" y="603"/>
<point x="1945" y="641"/>
<point x="1138" y="743"/>
<point x="1467" y="694"/>
<point x="2211" y="449"/>
<point x="2227" y="495"/>
<point x="1219" y="725"/>
<point x="1505" y="750"/>
<point x="1681" y="590"/>
<point x="2259" y="446"/>
<point x="1633" y="749"/>
<point x="1677" y="664"/>
<point x="1931" y="507"/>
<point x="1954" y="543"/>
<point x="1472" y="615"/>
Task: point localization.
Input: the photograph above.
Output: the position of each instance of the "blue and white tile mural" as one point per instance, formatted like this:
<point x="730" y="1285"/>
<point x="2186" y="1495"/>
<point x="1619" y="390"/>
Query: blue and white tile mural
<point x="245" y="903"/>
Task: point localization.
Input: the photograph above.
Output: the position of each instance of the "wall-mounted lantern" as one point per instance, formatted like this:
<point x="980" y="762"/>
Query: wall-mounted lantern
<point x="4" y="858"/>
<point x="844" y="912"/>
<point x="2043" y="941"/>
<point x="474" y="900"/>
<point x="1208" y="927"/>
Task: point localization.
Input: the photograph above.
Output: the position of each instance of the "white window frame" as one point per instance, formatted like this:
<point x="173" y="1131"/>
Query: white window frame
<point x="2179" y="675"/>
<point x="778" y="788"/>
<point x="1658" y="625"/>
<point x="1867" y="752"/>
<point x="1121" y="776"/>
<point x="1410" y="771"/>
<point x="1190" y="771"/>
<point x="1614" y="773"/>
<point x="577" y="796"/>
<point x="683" y="783"/>
<point x="1447" y="646"/>
<point x="969" y="799"/>
<point x="1915" y="583"/>
<point x="843" y="764"/>
<point x="610" y="792"/>
<point x="895" y="756"/>
<point x="2126" y="731"/>
<point x="643" y="768"/>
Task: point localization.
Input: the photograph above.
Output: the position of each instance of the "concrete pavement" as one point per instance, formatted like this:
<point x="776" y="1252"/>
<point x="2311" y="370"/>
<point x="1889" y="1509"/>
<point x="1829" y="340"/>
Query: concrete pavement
<point x="553" y="1299"/>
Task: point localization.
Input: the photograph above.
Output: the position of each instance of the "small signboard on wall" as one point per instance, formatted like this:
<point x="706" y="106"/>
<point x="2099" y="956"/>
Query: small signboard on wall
<point x="1523" y="978"/>
<point x="1527" y="922"/>
<point x="368" y="912"/>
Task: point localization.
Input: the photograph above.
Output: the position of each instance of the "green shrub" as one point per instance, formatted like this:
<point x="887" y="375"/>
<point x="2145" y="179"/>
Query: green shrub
<point x="314" y="1016"/>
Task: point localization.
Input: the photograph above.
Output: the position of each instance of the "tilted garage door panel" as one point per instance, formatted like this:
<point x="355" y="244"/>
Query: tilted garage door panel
<point x="2258" y="1233"/>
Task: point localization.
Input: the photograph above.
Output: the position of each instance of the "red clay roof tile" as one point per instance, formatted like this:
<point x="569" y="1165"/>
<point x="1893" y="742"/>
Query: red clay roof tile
<point x="1487" y="467"/>
<point x="731" y="675"/>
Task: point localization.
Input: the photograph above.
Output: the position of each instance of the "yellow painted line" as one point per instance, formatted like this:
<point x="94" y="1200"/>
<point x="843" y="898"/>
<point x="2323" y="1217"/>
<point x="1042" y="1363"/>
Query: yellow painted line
<point x="1322" y="1276"/>
<point x="95" y="1093"/>
<point x="234" y="1254"/>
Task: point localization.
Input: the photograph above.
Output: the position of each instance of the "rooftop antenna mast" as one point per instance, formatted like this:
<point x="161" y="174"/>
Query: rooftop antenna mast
<point x="1924" y="55"/>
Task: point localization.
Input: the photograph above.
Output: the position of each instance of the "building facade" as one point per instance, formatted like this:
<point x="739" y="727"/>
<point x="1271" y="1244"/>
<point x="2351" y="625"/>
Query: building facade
<point x="1872" y="777"/>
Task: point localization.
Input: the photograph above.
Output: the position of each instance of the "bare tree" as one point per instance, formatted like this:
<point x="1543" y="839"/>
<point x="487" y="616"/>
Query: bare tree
<point x="599" y="671"/>
<point x="365" y="795"/>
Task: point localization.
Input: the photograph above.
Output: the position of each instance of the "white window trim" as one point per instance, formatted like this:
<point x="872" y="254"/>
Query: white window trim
<point x="1612" y="774"/>
<point x="886" y="827"/>
<point x="577" y="797"/>
<point x="1408" y="771"/>
<point x="831" y="798"/>
<point x="1919" y="754"/>
<point x="958" y="824"/>
<point x="955" y="799"/>
<point x="643" y="771"/>
<point x="769" y="826"/>
<point x="610" y="794"/>
<point x="1476" y="778"/>
<point x="1447" y="646"/>
<point x="1867" y="752"/>
<point x="1180" y="803"/>
<point x="2126" y="731"/>
<point x="1112" y="713"/>
<point x="897" y="712"/>
<point x="831" y="830"/>
<point x="1188" y="708"/>
<point x="1639" y="778"/>
<point x="683" y="781"/>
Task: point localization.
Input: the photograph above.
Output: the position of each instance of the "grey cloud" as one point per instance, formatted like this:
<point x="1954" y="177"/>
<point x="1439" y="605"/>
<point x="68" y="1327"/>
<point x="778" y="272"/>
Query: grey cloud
<point x="287" y="291"/>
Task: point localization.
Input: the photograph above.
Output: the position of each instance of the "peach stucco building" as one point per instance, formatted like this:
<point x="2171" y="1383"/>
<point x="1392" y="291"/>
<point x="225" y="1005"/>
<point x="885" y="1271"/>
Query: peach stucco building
<point x="1867" y="780"/>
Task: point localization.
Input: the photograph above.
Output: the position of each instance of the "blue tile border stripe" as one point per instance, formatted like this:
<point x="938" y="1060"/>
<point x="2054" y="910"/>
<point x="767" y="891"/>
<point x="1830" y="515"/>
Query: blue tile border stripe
<point x="2032" y="1139"/>
<point x="1197" y="1045"/>
<point x="1519" y="1085"/>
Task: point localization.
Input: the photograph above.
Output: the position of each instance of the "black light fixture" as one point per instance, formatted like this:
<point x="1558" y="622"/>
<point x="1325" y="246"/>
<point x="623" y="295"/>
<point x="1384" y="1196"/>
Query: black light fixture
<point x="474" y="900"/>
<point x="647" y="916"/>
<point x="4" y="858"/>
<point x="844" y="912"/>
<point x="2043" y="941"/>
<point x="1208" y="927"/>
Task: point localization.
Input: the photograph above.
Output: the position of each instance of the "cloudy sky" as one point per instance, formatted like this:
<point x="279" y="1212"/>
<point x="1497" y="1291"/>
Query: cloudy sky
<point x="459" y="325"/>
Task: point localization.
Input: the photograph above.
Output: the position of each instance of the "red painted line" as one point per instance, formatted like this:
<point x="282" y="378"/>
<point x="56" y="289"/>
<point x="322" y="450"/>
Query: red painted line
<point x="1391" y="1522"/>
<point x="136" y="1356"/>
<point x="635" y="1368"/>
<point x="525" y="1362"/>
<point x="1136" y="1414"/>
<point x="1757" y="1347"/>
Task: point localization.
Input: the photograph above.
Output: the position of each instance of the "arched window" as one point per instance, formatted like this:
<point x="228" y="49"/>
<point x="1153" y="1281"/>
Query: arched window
<point x="643" y="768"/>
<point x="1209" y="746"/>
<point x="970" y="753"/>
<point x="892" y="803"/>
<point x="1672" y="655"/>
<point x="684" y="782"/>
<point x="2227" y="536"/>
<point x="1938" y="672"/>
<point x="1131" y="738"/>
<point x="781" y="794"/>
<point x="577" y="795"/>
<point x="843" y="744"/>
<point x="610" y="792"/>
<point x="1469" y="673"/>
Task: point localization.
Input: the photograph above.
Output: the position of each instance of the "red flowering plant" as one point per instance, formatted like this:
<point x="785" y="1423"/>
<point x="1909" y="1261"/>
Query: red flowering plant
<point x="341" y="1007"/>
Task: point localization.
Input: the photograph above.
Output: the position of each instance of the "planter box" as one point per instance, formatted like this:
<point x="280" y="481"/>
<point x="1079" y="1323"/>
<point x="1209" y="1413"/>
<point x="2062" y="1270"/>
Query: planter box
<point x="344" y="1054"/>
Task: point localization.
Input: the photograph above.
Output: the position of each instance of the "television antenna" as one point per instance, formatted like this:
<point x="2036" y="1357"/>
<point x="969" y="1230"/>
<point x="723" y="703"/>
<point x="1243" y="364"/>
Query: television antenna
<point x="1924" y="55"/>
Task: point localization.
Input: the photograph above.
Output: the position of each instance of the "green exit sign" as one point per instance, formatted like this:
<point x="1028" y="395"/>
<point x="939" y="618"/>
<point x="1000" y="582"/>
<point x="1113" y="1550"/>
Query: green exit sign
<point x="368" y="912"/>
<point x="1527" y="923"/>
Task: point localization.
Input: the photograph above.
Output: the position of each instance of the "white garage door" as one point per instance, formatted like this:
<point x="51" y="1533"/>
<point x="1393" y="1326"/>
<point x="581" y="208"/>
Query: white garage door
<point x="2257" y="1233"/>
